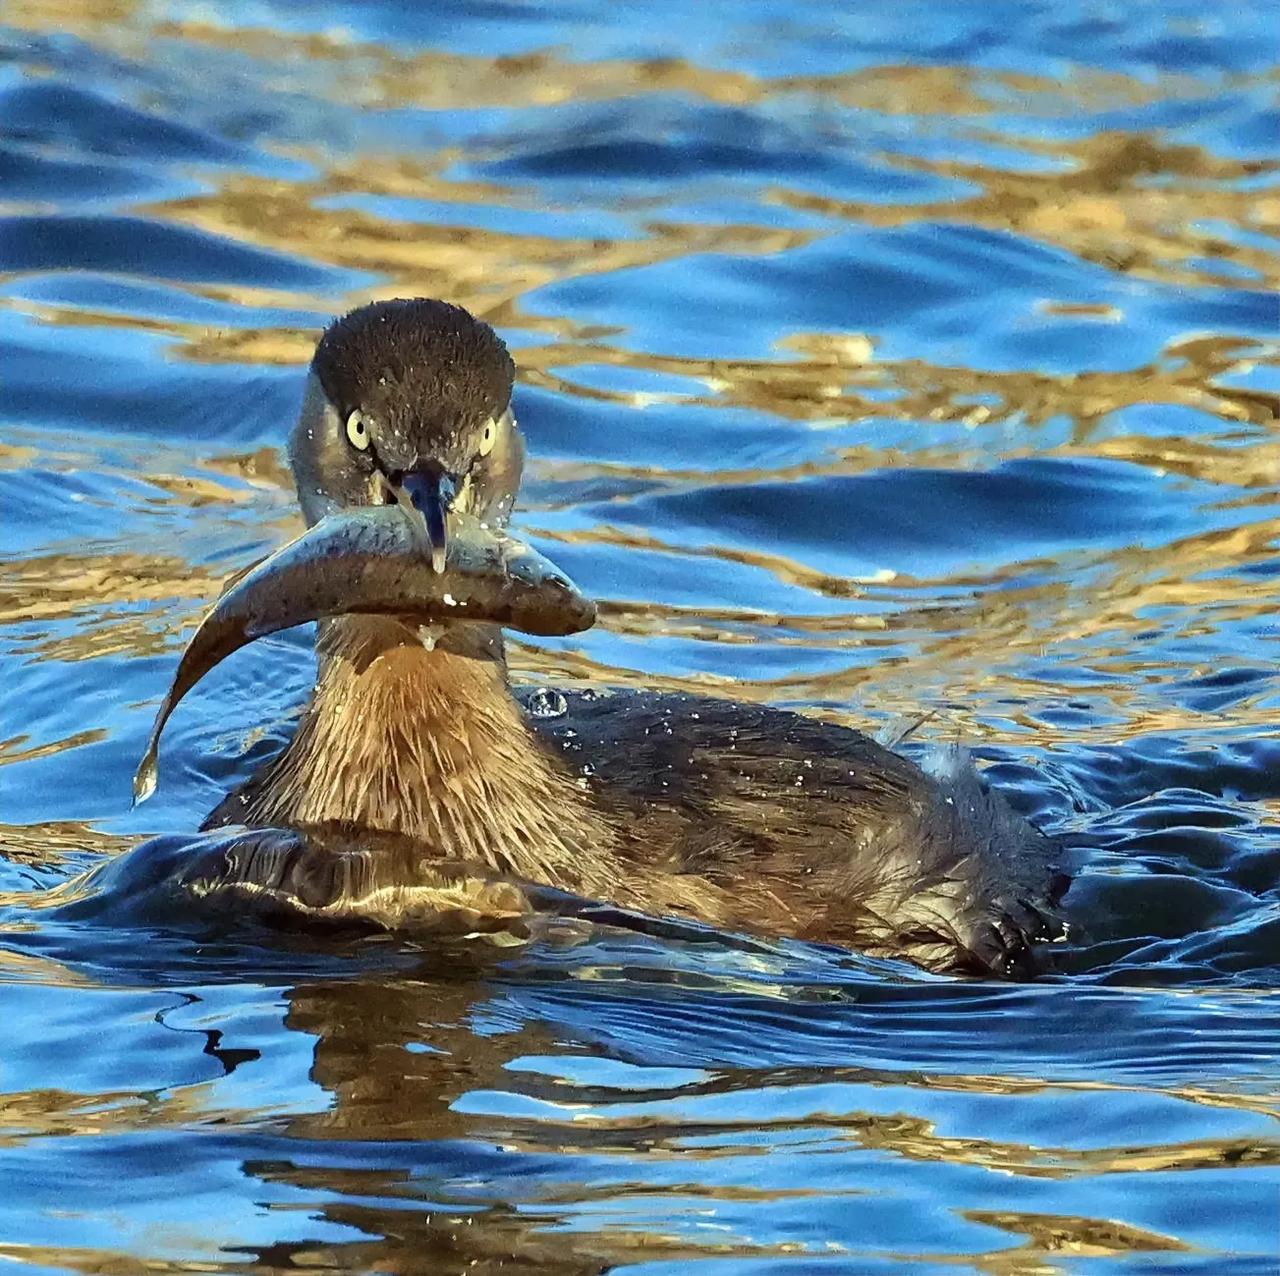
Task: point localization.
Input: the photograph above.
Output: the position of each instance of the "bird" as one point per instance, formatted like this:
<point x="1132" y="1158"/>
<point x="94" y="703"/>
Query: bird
<point x="421" y="790"/>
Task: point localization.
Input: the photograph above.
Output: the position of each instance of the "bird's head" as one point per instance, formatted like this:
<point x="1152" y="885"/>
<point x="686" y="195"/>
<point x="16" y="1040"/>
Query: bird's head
<point x="409" y="402"/>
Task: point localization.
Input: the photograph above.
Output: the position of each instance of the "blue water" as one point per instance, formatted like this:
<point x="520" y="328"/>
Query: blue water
<point x="880" y="361"/>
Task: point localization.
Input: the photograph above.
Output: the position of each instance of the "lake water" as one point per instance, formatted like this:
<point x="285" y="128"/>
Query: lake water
<point x="876" y="359"/>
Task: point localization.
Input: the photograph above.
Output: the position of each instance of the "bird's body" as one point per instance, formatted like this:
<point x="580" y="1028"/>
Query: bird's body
<point x="418" y="785"/>
<point x="739" y="815"/>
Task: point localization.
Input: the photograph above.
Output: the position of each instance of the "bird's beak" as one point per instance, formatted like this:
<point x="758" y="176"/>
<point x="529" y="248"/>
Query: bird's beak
<point x="426" y="494"/>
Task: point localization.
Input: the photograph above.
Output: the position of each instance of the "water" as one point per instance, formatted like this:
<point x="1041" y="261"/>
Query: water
<point x="879" y="360"/>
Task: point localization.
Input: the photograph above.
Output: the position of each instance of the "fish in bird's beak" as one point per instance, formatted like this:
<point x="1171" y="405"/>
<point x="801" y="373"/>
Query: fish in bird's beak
<point x="426" y="494"/>
<point x="369" y="560"/>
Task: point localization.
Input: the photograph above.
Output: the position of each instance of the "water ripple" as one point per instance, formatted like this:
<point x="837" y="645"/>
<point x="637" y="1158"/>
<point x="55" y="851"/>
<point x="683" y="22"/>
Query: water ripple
<point x="890" y="362"/>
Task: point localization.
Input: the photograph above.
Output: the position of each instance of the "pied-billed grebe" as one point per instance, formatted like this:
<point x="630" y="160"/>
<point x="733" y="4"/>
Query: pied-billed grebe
<point x="418" y="785"/>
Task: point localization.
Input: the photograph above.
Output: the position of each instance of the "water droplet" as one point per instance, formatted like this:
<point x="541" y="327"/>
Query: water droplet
<point x="546" y="702"/>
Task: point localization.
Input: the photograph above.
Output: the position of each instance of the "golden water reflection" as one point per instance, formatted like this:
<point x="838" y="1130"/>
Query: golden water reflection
<point x="967" y="647"/>
<point x="397" y="1065"/>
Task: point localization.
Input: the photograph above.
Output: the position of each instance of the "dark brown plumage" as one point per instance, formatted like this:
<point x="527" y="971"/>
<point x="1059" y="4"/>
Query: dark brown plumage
<point x="813" y="830"/>
<point x="416" y="366"/>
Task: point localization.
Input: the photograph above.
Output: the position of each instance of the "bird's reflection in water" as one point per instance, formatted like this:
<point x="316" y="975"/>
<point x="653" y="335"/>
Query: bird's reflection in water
<point x="424" y="1183"/>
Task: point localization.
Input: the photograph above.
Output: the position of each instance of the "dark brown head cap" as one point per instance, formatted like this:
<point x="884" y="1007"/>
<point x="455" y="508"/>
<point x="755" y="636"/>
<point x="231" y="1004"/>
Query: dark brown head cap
<point x="432" y="387"/>
<point x="414" y="364"/>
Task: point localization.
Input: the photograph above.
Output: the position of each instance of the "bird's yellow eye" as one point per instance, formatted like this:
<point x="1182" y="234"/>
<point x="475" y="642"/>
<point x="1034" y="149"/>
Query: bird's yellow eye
<point x="488" y="438"/>
<point x="357" y="431"/>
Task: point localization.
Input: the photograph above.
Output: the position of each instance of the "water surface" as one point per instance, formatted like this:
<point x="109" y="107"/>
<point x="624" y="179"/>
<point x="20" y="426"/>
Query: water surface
<point x="876" y="360"/>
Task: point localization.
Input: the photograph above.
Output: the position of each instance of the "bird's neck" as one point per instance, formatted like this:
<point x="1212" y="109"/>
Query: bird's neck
<point x="430" y="743"/>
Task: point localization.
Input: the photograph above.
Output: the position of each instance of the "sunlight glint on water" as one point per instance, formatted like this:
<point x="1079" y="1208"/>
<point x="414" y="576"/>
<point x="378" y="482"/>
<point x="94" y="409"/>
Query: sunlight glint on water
<point x="882" y="361"/>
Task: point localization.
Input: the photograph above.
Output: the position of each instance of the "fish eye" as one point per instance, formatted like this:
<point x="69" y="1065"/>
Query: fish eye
<point x="358" y="431"/>
<point x="488" y="438"/>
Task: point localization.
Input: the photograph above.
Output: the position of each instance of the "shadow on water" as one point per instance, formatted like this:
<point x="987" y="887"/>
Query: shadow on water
<point x="882" y="362"/>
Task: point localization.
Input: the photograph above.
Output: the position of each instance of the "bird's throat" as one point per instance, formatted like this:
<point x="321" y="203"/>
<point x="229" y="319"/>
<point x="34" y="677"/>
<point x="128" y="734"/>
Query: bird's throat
<point x="427" y="741"/>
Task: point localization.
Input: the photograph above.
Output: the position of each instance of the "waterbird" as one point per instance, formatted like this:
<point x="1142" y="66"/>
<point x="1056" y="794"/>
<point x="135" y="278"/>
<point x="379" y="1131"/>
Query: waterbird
<point x="421" y="791"/>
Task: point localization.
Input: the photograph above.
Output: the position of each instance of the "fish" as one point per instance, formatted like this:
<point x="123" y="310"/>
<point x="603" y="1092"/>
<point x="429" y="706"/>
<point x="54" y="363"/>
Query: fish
<point x="374" y="561"/>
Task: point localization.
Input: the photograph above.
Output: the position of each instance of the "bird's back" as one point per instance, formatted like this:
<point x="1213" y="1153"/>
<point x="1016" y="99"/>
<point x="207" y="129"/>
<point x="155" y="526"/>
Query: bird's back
<point x="815" y="830"/>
